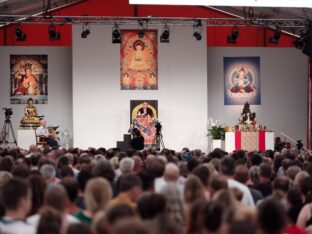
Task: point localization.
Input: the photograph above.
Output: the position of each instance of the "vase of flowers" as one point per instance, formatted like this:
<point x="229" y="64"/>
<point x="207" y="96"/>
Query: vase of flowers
<point x="217" y="134"/>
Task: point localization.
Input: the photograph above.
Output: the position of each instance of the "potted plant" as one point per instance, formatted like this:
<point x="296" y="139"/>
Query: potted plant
<point x="217" y="134"/>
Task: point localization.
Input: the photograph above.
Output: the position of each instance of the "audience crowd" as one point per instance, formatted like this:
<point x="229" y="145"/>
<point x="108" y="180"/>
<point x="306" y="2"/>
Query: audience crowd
<point x="99" y="191"/>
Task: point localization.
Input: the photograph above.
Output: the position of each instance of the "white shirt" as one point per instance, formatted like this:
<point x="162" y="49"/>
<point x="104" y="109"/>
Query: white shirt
<point x="42" y="131"/>
<point x="10" y="226"/>
<point x="247" y="197"/>
<point x="34" y="220"/>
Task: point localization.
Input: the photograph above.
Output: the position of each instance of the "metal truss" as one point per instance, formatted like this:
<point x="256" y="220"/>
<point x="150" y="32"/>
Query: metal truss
<point x="151" y="20"/>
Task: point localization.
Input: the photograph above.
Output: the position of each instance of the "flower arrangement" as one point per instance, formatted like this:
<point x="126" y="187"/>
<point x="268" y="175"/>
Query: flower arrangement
<point x="215" y="130"/>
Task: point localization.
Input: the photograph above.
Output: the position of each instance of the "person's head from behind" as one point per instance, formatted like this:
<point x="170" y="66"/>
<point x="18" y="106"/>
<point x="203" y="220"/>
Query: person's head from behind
<point x="57" y="198"/>
<point x="156" y="166"/>
<point x="227" y="166"/>
<point x="217" y="183"/>
<point x="16" y="197"/>
<point x="254" y="174"/>
<point x="126" y="166"/>
<point x="271" y="216"/>
<point x="241" y="174"/>
<point x="104" y="221"/>
<point x="204" y="174"/>
<point x="50" y="221"/>
<point x="265" y="172"/>
<point x="72" y="188"/>
<point x="212" y="215"/>
<point x="281" y="184"/>
<point x="78" y="228"/>
<point x="38" y="187"/>
<point x="131" y="185"/>
<point x="193" y="190"/>
<point x="48" y="171"/>
<point x="98" y="194"/>
<point x="130" y="226"/>
<point x="171" y="173"/>
<point x="104" y="169"/>
<point x="150" y="205"/>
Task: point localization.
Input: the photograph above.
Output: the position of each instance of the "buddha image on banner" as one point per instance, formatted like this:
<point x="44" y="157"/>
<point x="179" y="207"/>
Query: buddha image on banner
<point x="143" y="116"/>
<point x="242" y="80"/>
<point x="138" y="60"/>
<point x="29" y="78"/>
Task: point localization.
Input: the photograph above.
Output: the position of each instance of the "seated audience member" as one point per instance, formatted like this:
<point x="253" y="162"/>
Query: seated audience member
<point x="227" y="168"/>
<point x="55" y="197"/>
<point x="83" y="177"/>
<point x="38" y="187"/>
<point x="193" y="191"/>
<point x="72" y="188"/>
<point x="16" y="196"/>
<point x="148" y="179"/>
<point x="98" y="194"/>
<point x="281" y="186"/>
<point x="50" y="221"/>
<point x="138" y="164"/>
<point x="174" y="205"/>
<point x="212" y="217"/>
<point x="130" y="226"/>
<point x="305" y="216"/>
<point x="126" y="166"/>
<point x="104" y="221"/>
<point x="242" y="176"/>
<point x="157" y="168"/>
<point x="204" y="174"/>
<point x="271" y="217"/>
<point x="42" y="131"/>
<point x="264" y="185"/>
<point x="149" y="205"/>
<point x="48" y="172"/>
<point x="130" y="188"/>
<point x="294" y="205"/>
<point x="78" y="228"/>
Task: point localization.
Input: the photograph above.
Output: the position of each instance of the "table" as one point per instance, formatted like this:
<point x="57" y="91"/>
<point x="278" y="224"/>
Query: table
<point x="250" y="141"/>
<point x="25" y="138"/>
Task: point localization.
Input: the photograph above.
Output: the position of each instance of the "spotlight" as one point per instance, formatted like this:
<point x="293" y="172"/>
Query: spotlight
<point x="141" y="33"/>
<point x="275" y="38"/>
<point x="116" y="37"/>
<point x="233" y="36"/>
<point x="85" y="31"/>
<point x="198" y="30"/>
<point x="20" y="35"/>
<point x="164" y="37"/>
<point x="53" y="34"/>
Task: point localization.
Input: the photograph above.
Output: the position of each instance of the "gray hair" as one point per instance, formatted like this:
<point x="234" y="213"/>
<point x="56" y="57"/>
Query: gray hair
<point x="47" y="171"/>
<point x="126" y="165"/>
<point x="254" y="172"/>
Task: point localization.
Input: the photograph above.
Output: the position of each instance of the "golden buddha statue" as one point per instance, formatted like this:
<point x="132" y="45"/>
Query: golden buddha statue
<point x="30" y="114"/>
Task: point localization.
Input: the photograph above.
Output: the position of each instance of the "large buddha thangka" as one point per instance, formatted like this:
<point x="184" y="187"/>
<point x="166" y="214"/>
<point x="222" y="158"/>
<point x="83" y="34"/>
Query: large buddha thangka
<point x="30" y="117"/>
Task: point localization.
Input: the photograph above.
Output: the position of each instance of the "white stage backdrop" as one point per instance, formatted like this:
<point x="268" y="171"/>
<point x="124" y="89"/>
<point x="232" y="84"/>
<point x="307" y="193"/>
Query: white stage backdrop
<point x="101" y="110"/>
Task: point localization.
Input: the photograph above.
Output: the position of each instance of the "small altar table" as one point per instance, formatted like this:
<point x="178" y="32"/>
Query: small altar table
<point x="250" y="141"/>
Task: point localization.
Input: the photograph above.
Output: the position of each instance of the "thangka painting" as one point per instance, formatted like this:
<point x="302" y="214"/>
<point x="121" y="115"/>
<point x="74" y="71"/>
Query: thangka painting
<point x="144" y="116"/>
<point x="29" y="78"/>
<point x="138" y="60"/>
<point x="242" y="80"/>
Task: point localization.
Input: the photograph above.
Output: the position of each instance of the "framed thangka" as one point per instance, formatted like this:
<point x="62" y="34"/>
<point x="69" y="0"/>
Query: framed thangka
<point x="138" y="60"/>
<point x="242" y="80"/>
<point x="144" y="116"/>
<point x="29" y="78"/>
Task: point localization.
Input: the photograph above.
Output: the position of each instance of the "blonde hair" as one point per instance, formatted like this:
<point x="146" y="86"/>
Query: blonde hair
<point x="193" y="190"/>
<point x="98" y="193"/>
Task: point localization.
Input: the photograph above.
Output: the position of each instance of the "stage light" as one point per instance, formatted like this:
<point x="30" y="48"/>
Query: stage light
<point x="53" y="34"/>
<point x="165" y="35"/>
<point x="233" y="36"/>
<point x="197" y="30"/>
<point x="275" y="38"/>
<point x="20" y="35"/>
<point x="116" y="37"/>
<point x="85" y="31"/>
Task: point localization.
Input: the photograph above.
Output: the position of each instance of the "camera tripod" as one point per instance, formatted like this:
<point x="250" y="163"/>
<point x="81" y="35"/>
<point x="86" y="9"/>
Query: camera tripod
<point x="159" y="140"/>
<point x="5" y="133"/>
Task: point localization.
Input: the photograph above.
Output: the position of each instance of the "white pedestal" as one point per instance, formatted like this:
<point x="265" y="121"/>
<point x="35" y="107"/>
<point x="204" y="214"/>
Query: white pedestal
<point x="217" y="144"/>
<point x="25" y="138"/>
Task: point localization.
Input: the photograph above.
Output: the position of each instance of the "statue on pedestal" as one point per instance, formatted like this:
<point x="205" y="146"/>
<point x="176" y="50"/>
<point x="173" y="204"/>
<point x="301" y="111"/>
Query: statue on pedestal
<point x="247" y="117"/>
<point x="30" y="115"/>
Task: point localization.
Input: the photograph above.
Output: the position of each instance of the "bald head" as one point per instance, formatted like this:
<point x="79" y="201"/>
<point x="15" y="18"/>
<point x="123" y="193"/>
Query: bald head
<point x="43" y="122"/>
<point x="171" y="172"/>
